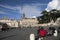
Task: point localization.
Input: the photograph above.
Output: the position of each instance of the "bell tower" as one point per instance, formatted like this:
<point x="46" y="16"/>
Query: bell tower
<point x="23" y="16"/>
<point x="23" y="13"/>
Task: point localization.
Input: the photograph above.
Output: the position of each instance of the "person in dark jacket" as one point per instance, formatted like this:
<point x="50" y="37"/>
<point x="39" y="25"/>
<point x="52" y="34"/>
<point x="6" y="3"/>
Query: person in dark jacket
<point x="4" y="27"/>
<point x="51" y="31"/>
<point x="41" y="33"/>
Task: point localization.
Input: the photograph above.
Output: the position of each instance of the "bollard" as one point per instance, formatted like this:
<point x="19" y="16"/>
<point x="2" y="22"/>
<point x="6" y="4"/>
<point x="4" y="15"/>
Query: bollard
<point x="55" y="34"/>
<point x="39" y="39"/>
<point x="32" y="36"/>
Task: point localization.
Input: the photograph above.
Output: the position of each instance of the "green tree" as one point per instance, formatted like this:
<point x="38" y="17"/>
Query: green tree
<point x="54" y="14"/>
<point x="49" y="16"/>
<point x="44" y="18"/>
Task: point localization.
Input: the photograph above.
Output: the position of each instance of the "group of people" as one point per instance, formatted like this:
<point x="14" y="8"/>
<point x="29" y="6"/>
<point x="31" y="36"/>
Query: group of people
<point x="43" y="33"/>
<point x="4" y="27"/>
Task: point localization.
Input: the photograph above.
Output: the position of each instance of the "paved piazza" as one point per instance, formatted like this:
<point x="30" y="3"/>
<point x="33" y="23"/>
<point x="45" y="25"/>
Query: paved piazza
<point x="23" y="34"/>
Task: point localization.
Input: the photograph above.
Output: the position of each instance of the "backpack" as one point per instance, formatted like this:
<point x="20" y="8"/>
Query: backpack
<point x="42" y="33"/>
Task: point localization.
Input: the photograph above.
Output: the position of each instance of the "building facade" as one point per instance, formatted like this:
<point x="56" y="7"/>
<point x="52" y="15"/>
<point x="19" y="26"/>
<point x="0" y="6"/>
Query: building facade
<point x="11" y="23"/>
<point x="20" y="23"/>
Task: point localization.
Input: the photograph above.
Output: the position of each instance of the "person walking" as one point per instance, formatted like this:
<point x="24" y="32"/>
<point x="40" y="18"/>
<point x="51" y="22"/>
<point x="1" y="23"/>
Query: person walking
<point x="42" y="33"/>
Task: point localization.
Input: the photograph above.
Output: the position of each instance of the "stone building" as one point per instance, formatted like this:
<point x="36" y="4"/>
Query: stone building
<point x="28" y="21"/>
<point x="19" y="23"/>
<point x="11" y="23"/>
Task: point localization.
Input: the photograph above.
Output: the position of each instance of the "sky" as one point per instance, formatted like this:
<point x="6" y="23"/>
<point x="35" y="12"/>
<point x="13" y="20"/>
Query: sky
<point x="14" y="9"/>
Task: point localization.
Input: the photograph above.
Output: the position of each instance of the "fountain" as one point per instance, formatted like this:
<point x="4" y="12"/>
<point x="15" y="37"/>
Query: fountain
<point x="57" y="22"/>
<point x="51" y="23"/>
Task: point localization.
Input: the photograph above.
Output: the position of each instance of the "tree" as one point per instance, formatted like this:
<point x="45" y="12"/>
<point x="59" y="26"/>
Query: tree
<point x="44" y="17"/>
<point x="54" y="14"/>
<point x="49" y="16"/>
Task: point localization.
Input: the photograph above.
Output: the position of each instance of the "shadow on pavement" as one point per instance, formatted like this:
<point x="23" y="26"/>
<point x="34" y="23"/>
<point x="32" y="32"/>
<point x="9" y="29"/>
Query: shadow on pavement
<point x="7" y="37"/>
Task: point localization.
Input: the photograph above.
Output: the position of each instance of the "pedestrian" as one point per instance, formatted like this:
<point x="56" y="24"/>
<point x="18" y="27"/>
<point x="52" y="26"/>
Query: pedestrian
<point x="42" y="33"/>
<point x="4" y="27"/>
<point x="51" y="31"/>
<point x="53" y="28"/>
<point x="38" y="29"/>
<point x="37" y="37"/>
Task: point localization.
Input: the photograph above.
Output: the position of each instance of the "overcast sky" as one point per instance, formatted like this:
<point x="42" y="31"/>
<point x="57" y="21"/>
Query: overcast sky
<point x="15" y="8"/>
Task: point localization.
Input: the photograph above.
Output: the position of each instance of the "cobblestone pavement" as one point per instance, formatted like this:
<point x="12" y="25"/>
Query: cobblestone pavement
<point x="23" y="34"/>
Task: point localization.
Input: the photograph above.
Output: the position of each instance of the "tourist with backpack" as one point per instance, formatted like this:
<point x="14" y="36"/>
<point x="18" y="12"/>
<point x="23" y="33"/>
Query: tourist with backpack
<point x="41" y="33"/>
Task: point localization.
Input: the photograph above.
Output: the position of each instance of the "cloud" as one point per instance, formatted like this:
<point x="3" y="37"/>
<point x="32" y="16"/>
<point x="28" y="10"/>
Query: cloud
<point x="30" y="10"/>
<point x="1" y="12"/>
<point x="54" y="4"/>
<point x="37" y="4"/>
<point x="5" y="13"/>
<point x="8" y="7"/>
